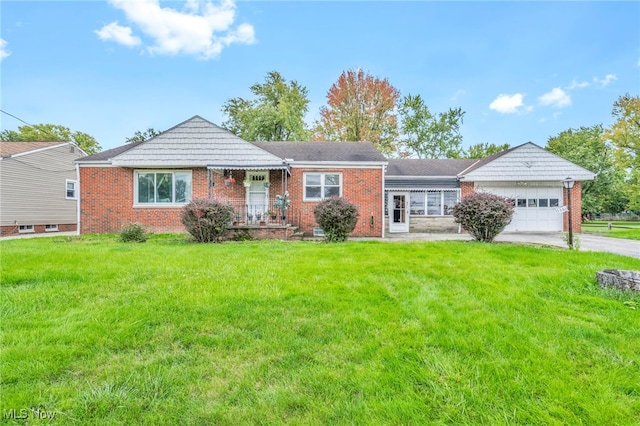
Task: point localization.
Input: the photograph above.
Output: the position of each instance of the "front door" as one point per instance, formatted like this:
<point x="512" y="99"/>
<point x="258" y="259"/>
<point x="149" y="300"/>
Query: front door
<point x="257" y="195"/>
<point x="398" y="213"/>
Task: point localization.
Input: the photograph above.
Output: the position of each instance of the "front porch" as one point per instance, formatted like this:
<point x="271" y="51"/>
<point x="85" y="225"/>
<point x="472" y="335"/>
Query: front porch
<point x="262" y="221"/>
<point x="255" y="194"/>
<point x="262" y="232"/>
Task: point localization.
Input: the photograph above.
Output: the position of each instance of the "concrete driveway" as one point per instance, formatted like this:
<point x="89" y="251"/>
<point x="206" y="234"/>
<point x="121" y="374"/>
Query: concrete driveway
<point x="588" y="242"/>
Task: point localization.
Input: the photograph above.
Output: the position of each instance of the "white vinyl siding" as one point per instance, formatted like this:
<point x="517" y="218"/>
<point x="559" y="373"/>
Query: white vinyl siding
<point x="33" y="187"/>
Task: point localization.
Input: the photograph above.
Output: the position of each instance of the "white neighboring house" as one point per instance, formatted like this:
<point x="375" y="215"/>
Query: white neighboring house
<point x="38" y="187"/>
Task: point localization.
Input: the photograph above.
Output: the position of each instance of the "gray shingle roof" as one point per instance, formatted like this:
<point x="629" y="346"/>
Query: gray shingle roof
<point x="106" y="155"/>
<point x="324" y="151"/>
<point x="18" y="147"/>
<point x="526" y="162"/>
<point x="195" y="142"/>
<point x="427" y="167"/>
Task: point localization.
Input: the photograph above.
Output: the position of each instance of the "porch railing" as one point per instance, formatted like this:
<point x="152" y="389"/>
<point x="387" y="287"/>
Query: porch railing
<point x="261" y="214"/>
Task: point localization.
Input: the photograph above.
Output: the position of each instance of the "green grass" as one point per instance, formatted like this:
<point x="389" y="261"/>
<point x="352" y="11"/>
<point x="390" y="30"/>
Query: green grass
<point x="627" y="230"/>
<point x="169" y="332"/>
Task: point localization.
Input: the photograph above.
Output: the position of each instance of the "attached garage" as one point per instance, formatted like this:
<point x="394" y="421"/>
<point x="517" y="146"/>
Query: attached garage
<point x="420" y="193"/>
<point x="532" y="177"/>
<point x="538" y="205"/>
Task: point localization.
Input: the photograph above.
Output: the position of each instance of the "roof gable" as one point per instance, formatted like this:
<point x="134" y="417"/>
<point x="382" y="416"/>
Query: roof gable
<point x="527" y="162"/>
<point x="12" y="148"/>
<point x="196" y="142"/>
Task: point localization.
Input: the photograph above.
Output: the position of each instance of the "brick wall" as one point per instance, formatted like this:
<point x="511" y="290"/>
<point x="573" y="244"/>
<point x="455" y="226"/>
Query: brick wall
<point x="106" y="202"/>
<point x="576" y="208"/>
<point x="362" y="187"/>
<point x="106" y="199"/>
<point x="466" y="188"/>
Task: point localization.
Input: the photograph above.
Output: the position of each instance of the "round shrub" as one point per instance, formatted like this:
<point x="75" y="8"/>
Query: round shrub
<point x="134" y="233"/>
<point x="206" y="220"/>
<point x="483" y="215"/>
<point x="337" y="218"/>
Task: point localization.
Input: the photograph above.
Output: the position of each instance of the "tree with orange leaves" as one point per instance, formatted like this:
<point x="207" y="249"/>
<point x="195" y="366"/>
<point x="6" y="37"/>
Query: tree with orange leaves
<point x="360" y="107"/>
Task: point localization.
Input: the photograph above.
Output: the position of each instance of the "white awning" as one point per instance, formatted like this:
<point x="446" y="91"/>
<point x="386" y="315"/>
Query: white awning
<point x="247" y="167"/>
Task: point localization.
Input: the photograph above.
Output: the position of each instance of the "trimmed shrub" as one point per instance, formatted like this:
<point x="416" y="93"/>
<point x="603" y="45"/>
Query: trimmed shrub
<point x="207" y="221"/>
<point x="134" y="233"/>
<point x="337" y="218"/>
<point x="484" y="215"/>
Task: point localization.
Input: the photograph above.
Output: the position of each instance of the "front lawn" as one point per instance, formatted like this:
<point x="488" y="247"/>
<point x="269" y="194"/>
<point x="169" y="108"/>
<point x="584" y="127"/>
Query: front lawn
<point x="627" y="230"/>
<point x="168" y="332"/>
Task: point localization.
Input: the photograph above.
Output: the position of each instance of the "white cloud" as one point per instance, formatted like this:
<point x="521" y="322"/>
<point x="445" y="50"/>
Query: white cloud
<point x="557" y="97"/>
<point x="606" y="80"/>
<point x="119" y="34"/>
<point x="458" y="94"/>
<point x="577" y="85"/>
<point x="507" y="104"/>
<point x="3" y="49"/>
<point x="203" y="29"/>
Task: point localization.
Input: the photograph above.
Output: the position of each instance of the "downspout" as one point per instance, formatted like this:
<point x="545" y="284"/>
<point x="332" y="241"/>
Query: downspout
<point x="209" y="183"/>
<point x="459" y="198"/>
<point x="382" y="222"/>
<point x="78" y="200"/>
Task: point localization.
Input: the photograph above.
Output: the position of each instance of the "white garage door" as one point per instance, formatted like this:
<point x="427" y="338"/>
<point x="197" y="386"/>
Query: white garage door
<point x="536" y="208"/>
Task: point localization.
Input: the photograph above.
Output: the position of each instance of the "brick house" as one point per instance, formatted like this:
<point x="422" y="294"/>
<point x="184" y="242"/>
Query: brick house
<point x="149" y="182"/>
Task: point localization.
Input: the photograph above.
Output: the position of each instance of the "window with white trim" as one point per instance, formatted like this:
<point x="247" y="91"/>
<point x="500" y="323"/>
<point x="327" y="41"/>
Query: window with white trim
<point x="51" y="228"/>
<point x="162" y="187"/>
<point x="537" y="202"/>
<point x="318" y="186"/>
<point x="25" y="228"/>
<point x="435" y="202"/>
<point x="71" y="189"/>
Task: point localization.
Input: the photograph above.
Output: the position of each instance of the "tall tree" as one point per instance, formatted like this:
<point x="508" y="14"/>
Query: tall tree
<point x="360" y="107"/>
<point x="139" y="136"/>
<point x="481" y="150"/>
<point x="52" y="132"/>
<point x="426" y="135"/>
<point x="587" y="147"/>
<point x="276" y="114"/>
<point x="624" y="134"/>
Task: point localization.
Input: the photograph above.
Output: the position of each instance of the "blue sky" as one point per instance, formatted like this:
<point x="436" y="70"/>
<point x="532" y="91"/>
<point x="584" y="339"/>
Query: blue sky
<point x="522" y="71"/>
